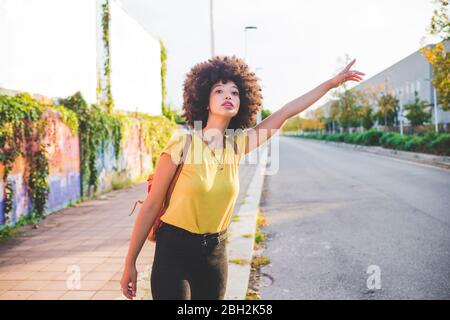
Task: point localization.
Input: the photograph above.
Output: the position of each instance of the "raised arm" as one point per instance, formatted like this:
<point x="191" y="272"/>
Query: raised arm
<point x="266" y="128"/>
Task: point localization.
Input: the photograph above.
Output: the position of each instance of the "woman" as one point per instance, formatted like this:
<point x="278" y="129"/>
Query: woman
<point x="190" y="259"/>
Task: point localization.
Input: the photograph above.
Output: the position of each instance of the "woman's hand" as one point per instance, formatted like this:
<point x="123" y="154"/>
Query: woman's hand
<point x="128" y="282"/>
<point x="347" y="75"/>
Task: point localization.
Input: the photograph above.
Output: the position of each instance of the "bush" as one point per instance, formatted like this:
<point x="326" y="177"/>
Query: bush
<point x="430" y="142"/>
<point x="412" y="143"/>
<point x="347" y="137"/>
<point x="358" y="138"/>
<point x="372" y="137"/>
<point x="441" y="144"/>
<point x="332" y="137"/>
<point x="426" y="140"/>
<point x="390" y="140"/>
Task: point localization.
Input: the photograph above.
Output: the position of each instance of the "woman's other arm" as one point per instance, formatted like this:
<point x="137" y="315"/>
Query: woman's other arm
<point x="164" y="172"/>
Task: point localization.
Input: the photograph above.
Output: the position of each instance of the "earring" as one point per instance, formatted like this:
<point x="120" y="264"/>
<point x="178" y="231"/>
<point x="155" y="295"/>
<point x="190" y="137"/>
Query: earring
<point x="207" y="108"/>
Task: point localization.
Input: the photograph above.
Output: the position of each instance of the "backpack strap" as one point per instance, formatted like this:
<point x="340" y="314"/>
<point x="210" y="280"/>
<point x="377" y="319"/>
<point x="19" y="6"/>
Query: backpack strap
<point x="178" y="171"/>
<point x="175" y="177"/>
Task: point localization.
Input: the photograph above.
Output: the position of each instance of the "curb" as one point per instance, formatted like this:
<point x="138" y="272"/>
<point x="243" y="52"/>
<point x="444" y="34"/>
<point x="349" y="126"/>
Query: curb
<point x="241" y="247"/>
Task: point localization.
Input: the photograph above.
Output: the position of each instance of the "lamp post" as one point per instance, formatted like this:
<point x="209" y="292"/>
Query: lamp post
<point x="436" y="122"/>
<point x="211" y="14"/>
<point x="245" y="30"/>
<point x="258" y="115"/>
<point x="400" y="117"/>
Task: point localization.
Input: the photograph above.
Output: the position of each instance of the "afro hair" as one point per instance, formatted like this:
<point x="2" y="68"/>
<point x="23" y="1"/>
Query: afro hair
<point x="201" y="78"/>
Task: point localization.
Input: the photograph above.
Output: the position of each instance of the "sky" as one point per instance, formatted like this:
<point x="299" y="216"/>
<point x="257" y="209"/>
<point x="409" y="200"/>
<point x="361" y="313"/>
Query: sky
<point x="298" y="44"/>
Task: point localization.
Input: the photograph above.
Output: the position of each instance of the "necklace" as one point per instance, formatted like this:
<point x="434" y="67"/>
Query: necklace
<point x="220" y="164"/>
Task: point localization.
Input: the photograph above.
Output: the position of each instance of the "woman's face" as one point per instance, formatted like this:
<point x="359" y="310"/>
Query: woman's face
<point x="224" y="99"/>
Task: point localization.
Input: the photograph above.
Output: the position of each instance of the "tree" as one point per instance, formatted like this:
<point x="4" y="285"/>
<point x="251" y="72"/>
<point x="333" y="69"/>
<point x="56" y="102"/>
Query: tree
<point x="388" y="108"/>
<point x="367" y="117"/>
<point x="319" y="118"/>
<point x="265" y="113"/>
<point x="292" y="124"/>
<point x="310" y="124"/>
<point x="417" y="111"/>
<point x="437" y="55"/>
<point x="348" y="110"/>
<point x="334" y="113"/>
<point x="164" y="107"/>
<point x="440" y="25"/>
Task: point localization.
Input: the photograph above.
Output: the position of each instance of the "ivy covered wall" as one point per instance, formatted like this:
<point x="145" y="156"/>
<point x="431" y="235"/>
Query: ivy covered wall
<point x="55" y="155"/>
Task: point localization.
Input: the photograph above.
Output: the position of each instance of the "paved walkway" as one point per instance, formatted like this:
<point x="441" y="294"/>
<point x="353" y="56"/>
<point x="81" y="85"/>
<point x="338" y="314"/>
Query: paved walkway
<point x="78" y="252"/>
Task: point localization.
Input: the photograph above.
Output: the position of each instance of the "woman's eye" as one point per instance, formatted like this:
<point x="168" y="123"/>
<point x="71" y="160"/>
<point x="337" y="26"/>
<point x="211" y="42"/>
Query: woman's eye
<point x="235" y="92"/>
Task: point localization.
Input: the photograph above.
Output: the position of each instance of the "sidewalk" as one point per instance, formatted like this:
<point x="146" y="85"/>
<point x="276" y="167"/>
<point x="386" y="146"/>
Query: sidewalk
<point x="87" y="242"/>
<point x="78" y="252"/>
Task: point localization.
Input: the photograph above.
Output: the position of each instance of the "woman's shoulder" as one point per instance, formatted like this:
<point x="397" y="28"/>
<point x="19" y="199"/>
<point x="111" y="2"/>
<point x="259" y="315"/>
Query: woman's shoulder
<point x="175" y="144"/>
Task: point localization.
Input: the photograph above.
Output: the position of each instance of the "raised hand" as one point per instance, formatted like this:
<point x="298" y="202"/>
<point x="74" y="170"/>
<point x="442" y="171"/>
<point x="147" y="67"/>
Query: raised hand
<point x="347" y="75"/>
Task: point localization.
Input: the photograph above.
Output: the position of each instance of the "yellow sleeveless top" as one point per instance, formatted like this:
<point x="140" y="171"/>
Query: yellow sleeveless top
<point x="204" y="196"/>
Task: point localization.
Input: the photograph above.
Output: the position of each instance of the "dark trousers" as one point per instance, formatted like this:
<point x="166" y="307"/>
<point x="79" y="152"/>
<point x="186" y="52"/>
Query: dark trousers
<point x="188" y="265"/>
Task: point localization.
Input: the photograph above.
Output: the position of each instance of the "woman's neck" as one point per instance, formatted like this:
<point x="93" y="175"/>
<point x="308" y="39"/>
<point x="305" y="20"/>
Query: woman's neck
<point x="214" y="132"/>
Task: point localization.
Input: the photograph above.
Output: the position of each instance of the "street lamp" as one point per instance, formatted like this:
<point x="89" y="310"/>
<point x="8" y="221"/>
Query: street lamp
<point x="245" y="29"/>
<point x="211" y="14"/>
<point x="400" y="115"/>
<point x="258" y="115"/>
<point x="436" y="127"/>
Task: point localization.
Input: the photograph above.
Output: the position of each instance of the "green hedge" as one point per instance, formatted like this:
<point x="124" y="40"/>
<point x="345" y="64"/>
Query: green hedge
<point x="429" y="142"/>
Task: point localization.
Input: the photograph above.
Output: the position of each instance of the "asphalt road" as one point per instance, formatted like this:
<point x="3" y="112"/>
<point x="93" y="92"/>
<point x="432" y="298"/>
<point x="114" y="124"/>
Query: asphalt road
<point x="347" y="224"/>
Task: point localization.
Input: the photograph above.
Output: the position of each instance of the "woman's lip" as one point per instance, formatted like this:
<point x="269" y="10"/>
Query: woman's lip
<point x="227" y="105"/>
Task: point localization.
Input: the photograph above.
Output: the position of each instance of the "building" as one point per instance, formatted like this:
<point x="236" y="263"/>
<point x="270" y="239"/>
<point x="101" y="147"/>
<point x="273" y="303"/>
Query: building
<point x="413" y="73"/>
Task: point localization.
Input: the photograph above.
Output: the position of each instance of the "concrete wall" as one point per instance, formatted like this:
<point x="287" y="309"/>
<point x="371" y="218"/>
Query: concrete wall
<point x="134" y="163"/>
<point x="63" y="155"/>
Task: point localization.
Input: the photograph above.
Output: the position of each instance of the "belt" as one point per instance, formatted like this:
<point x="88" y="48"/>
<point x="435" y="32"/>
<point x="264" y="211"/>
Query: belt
<point x="204" y="238"/>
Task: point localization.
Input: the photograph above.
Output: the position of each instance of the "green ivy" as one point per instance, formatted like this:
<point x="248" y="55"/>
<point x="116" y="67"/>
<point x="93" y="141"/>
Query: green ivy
<point x="108" y="103"/>
<point x="156" y="132"/>
<point x="68" y="117"/>
<point x="96" y="128"/>
<point x="163" y="55"/>
<point x="6" y="231"/>
<point x="22" y="130"/>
